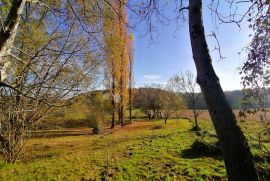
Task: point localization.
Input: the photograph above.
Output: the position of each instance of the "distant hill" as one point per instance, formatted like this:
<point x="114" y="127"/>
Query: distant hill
<point x="75" y="115"/>
<point x="235" y="99"/>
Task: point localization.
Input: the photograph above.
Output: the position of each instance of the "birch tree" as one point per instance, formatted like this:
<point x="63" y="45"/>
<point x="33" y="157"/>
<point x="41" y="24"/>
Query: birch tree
<point x="8" y="31"/>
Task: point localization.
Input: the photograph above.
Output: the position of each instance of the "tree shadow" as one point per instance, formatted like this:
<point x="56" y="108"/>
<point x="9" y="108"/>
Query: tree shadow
<point x="201" y="149"/>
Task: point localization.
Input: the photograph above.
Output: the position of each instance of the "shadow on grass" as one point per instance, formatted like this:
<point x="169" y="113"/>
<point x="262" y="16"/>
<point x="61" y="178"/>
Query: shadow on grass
<point x="60" y="133"/>
<point x="202" y="149"/>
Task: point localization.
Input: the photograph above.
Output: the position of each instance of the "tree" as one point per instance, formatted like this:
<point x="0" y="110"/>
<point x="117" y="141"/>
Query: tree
<point x="149" y="99"/>
<point x="255" y="71"/>
<point x="256" y="75"/>
<point x="171" y="103"/>
<point x="237" y="156"/>
<point x="8" y="32"/>
<point x="125" y="58"/>
<point x="118" y="44"/>
<point x="46" y="70"/>
<point x="99" y="107"/>
<point x="131" y="62"/>
<point x="111" y="38"/>
<point x="186" y="84"/>
<point x="236" y="152"/>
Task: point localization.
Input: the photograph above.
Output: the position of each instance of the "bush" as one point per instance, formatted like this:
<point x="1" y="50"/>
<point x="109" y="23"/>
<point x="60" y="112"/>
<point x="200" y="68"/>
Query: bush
<point x="94" y="121"/>
<point x="201" y="148"/>
<point x="157" y="127"/>
<point x="205" y="149"/>
<point x="195" y="128"/>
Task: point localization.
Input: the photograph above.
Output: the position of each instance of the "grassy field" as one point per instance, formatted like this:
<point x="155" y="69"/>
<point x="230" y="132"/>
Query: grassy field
<point x="145" y="150"/>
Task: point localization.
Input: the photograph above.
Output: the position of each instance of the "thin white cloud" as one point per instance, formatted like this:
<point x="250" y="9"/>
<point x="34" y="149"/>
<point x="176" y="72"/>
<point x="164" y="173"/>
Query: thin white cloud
<point x="152" y="77"/>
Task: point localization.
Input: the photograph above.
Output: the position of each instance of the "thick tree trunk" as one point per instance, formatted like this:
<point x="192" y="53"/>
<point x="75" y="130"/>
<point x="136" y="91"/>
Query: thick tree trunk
<point x="8" y="33"/>
<point x="236" y="152"/>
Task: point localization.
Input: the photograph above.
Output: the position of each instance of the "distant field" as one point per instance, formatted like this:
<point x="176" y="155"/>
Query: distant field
<point x="145" y="150"/>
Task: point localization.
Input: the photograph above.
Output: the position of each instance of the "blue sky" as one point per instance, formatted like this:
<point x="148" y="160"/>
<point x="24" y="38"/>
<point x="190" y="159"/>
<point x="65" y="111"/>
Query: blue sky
<point x="157" y="62"/>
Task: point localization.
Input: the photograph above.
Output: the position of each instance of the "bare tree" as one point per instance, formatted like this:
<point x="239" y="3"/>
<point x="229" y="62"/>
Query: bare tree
<point x="186" y="84"/>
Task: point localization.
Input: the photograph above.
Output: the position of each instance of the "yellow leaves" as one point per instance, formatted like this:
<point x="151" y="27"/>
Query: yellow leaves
<point x="118" y="43"/>
<point x="132" y="37"/>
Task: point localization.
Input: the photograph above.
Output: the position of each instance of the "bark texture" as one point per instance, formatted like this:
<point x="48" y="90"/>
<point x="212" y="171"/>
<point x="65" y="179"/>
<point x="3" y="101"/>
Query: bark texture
<point x="236" y="152"/>
<point x="8" y="33"/>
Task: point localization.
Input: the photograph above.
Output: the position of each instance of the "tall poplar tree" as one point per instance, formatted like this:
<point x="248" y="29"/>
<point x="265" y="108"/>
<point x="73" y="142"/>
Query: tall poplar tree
<point x="116" y="38"/>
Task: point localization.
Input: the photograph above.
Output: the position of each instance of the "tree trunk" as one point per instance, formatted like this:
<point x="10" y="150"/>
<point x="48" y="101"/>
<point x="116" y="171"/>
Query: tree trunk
<point x="236" y="152"/>
<point x="130" y="94"/>
<point x="122" y="123"/>
<point x="8" y="33"/>
<point x="166" y="118"/>
<point x="113" y="103"/>
<point x="195" y="114"/>
<point x="113" y="115"/>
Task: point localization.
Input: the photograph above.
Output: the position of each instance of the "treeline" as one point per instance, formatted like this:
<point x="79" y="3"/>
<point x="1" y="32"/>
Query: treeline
<point x="235" y="98"/>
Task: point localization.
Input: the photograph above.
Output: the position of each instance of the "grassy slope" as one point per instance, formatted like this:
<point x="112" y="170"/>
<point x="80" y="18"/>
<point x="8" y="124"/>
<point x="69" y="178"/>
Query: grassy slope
<point x="136" y="152"/>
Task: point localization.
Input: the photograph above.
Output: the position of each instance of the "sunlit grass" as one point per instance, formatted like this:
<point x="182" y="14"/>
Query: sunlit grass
<point x="143" y="151"/>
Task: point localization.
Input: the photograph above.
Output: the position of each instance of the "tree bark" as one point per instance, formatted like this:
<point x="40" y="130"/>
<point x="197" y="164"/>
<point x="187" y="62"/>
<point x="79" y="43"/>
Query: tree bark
<point x="130" y="90"/>
<point x="113" y="102"/>
<point x="195" y="114"/>
<point x="236" y="152"/>
<point x="122" y="123"/>
<point x="8" y="33"/>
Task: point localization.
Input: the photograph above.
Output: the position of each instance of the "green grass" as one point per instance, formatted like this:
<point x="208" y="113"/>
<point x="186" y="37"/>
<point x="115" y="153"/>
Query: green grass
<point x="142" y="151"/>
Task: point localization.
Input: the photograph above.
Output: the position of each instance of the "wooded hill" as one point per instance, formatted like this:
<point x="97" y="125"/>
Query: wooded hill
<point x="76" y="114"/>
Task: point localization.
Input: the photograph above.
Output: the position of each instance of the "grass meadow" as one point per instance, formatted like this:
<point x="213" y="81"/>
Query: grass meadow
<point x="144" y="150"/>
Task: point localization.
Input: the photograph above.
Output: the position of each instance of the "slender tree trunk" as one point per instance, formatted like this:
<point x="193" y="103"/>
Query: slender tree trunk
<point x="121" y="84"/>
<point x="166" y="118"/>
<point x="8" y="33"/>
<point x="121" y="104"/>
<point x="122" y="123"/>
<point x="130" y="90"/>
<point x="236" y="152"/>
<point x="195" y="114"/>
<point x="113" y="102"/>
<point x="122" y="69"/>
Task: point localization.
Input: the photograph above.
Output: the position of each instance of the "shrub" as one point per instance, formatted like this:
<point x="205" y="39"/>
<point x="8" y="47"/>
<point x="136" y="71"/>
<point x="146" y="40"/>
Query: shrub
<point x="205" y="149"/>
<point x="95" y="122"/>
<point x="201" y="148"/>
<point x="157" y="127"/>
<point x="195" y="128"/>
